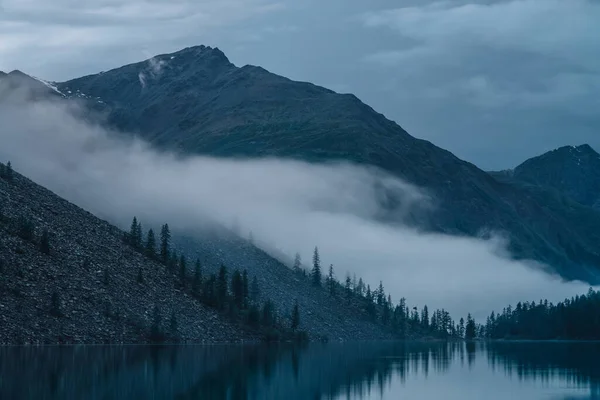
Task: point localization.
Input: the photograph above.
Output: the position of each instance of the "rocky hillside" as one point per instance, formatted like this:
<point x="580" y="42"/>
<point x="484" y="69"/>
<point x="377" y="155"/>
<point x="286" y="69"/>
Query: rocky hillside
<point x="572" y="170"/>
<point x="196" y="101"/>
<point x="67" y="276"/>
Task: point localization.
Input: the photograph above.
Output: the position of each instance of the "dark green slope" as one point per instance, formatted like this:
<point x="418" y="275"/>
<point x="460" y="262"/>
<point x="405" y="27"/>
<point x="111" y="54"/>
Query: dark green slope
<point x="196" y="101"/>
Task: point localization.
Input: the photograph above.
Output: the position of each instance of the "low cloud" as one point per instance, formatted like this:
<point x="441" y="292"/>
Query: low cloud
<point x="288" y="205"/>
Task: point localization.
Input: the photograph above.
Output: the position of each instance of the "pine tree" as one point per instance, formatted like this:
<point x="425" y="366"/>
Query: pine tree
<point x="316" y="270"/>
<point x="297" y="262"/>
<point x="150" y="244"/>
<point x="380" y="294"/>
<point x="471" y="328"/>
<point x="360" y="288"/>
<point x="106" y="276"/>
<point x="425" y="317"/>
<point x="133" y="231"/>
<point x="140" y="276"/>
<point x="165" y="243"/>
<point x="348" y="286"/>
<point x="295" y="316"/>
<point x="331" y="281"/>
<point x="45" y="242"/>
<point x="461" y="328"/>
<point x="197" y="283"/>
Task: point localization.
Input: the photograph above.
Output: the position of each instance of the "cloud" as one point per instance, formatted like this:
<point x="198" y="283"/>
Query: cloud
<point x="551" y="27"/>
<point x="512" y="75"/>
<point x="288" y="205"/>
<point x="63" y="28"/>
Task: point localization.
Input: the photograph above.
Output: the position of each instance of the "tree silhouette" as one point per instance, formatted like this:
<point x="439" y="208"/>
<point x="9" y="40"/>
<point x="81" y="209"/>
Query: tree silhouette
<point x="316" y="270"/>
<point x="151" y="244"/>
<point x="165" y="243"/>
<point x="331" y="281"/>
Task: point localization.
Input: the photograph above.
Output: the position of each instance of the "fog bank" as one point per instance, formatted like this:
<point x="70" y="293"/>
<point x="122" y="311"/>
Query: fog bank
<point x="288" y="205"/>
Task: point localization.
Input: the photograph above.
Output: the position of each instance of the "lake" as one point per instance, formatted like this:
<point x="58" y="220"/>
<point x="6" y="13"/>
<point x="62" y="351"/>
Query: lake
<point x="379" y="370"/>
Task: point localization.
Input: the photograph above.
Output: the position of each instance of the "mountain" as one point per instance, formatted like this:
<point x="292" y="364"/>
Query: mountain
<point x="89" y="286"/>
<point x="36" y="88"/>
<point x="197" y="102"/>
<point x="572" y="170"/>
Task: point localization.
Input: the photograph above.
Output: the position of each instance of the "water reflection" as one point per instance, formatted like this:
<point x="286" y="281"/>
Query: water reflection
<point x="383" y="370"/>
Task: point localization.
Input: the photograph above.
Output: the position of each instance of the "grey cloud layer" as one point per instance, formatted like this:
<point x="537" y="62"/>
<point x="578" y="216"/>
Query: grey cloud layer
<point x="289" y="206"/>
<point x="495" y="81"/>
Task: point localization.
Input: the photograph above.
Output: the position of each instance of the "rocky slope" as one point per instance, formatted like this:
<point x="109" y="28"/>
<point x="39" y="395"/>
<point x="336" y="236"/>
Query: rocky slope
<point x="88" y="290"/>
<point x="196" y="101"/>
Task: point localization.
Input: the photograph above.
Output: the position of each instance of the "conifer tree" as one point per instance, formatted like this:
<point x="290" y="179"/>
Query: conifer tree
<point x="295" y="317"/>
<point x="140" y="275"/>
<point x="150" y="244"/>
<point x="45" y="242"/>
<point x="316" y="270"/>
<point x="331" y="281"/>
<point x="297" y="262"/>
<point x="165" y="243"/>
<point x="425" y="317"/>
<point x="471" y="328"/>
<point x="360" y="287"/>
<point x="380" y="294"/>
<point x="461" y="328"/>
<point x="133" y="230"/>
<point x="348" y="286"/>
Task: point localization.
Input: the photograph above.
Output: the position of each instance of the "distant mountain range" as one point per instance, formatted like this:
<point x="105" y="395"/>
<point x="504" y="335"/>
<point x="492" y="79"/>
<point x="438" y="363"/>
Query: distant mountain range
<point x="197" y="102"/>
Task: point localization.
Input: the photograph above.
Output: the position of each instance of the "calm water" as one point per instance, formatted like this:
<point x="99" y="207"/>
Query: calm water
<point x="316" y="371"/>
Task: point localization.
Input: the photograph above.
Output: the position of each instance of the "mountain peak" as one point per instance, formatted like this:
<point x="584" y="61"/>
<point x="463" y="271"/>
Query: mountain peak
<point x="197" y="54"/>
<point x="573" y="170"/>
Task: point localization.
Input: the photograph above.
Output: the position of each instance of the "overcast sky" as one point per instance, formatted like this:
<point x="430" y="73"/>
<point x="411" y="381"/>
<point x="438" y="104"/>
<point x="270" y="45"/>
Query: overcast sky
<point x="493" y="81"/>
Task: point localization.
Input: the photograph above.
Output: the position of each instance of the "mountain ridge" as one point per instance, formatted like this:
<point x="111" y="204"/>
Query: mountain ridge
<point x="196" y="102"/>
